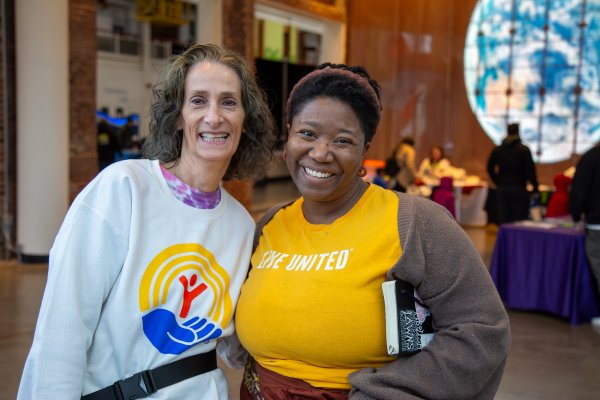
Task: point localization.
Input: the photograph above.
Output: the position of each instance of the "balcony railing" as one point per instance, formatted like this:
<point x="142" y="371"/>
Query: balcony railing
<point x="118" y="44"/>
<point x="130" y="45"/>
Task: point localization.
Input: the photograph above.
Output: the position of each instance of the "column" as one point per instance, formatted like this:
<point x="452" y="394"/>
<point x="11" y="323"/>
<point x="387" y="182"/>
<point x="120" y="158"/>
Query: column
<point x="147" y="78"/>
<point x="42" y="105"/>
<point x="238" y="24"/>
<point x="209" y="22"/>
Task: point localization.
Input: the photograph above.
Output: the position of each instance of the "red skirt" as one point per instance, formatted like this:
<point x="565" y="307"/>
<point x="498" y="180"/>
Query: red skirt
<point x="262" y="384"/>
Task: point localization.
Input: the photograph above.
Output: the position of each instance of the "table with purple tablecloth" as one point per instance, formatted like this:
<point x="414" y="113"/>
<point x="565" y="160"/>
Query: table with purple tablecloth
<point x="542" y="267"/>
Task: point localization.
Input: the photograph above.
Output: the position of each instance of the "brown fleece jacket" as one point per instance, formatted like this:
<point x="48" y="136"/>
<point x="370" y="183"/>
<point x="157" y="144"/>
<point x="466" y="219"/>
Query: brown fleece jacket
<point x="466" y="358"/>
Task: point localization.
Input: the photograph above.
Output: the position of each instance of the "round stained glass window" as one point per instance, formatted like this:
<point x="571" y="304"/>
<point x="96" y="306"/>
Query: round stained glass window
<point x="536" y="62"/>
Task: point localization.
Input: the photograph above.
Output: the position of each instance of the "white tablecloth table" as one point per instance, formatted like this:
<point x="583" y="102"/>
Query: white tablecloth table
<point x="470" y="195"/>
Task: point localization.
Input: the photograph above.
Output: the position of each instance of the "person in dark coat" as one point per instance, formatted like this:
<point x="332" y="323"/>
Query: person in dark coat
<point x="511" y="167"/>
<point x="584" y="204"/>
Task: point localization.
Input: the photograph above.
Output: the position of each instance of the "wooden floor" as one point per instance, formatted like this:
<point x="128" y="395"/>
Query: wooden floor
<point x="549" y="358"/>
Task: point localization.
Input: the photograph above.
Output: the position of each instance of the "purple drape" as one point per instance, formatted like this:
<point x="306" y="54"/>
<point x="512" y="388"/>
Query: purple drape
<point x="544" y="270"/>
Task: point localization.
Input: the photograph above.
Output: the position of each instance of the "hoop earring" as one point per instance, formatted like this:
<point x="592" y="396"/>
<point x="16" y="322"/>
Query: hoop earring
<point x="362" y="172"/>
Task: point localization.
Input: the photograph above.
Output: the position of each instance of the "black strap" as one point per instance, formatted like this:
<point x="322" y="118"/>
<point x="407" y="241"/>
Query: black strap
<point x="146" y="382"/>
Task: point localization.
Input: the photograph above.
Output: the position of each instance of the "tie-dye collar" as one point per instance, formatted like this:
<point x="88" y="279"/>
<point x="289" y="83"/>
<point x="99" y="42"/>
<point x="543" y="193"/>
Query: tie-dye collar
<point x="190" y="195"/>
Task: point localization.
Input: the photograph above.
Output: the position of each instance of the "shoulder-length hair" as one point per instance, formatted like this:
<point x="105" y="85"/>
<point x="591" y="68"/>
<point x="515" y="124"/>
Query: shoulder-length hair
<point x="165" y="140"/>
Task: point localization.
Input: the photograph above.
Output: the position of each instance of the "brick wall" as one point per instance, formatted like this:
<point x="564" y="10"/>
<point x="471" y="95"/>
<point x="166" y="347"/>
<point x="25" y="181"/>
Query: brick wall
<point x="238" y="20"/>
<point x="83" y="164"/>
<point x="238" y="26"/>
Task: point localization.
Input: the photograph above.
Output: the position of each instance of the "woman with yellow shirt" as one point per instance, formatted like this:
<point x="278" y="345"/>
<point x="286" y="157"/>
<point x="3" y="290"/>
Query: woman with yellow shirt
<point x="311" y="313"/>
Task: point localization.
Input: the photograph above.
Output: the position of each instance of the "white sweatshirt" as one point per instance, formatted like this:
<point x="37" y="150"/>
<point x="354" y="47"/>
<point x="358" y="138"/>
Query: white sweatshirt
<point x="137" y="279"/>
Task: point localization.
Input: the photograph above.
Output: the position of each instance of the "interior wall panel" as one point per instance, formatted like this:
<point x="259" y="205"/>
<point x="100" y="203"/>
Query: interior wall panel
<point x="414" y="49"/>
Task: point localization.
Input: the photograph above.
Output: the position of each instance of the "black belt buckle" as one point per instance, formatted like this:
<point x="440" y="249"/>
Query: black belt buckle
<point x="137" y="386"/>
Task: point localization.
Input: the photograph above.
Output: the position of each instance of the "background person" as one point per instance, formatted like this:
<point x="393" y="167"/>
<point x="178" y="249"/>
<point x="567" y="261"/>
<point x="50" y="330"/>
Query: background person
<point x="380" y="178"/>
<point x="311" y="312"/>
<point x="558" y="206"/>
<point x="391" y="170"/>
<point x="435" y="166"/>
<point x="584" y="204"/>
<point x="405" y="159"/>
<point x="108" y="145"/>
<point x="146" y="269"/>
<point x="510" y="166"/>
<point x="127" y="133"/>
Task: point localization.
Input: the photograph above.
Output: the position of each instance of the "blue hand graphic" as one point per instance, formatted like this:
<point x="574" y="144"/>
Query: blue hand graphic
<point x="165" y="333"/>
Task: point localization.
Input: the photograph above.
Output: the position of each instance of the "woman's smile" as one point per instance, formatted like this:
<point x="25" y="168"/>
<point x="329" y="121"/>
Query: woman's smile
<point x="214" y="137"/>
<point x="317" y="174"/>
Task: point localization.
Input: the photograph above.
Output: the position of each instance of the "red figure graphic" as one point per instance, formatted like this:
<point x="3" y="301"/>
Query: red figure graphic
<point x="189" y="295"/>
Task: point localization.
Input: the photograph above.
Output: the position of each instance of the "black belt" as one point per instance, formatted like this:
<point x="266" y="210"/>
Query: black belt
<point x="146" y="382"/>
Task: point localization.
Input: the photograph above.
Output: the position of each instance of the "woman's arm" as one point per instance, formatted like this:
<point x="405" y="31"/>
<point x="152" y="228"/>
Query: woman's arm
<point x="85" y="260"/>
<point x="466" y="358"/>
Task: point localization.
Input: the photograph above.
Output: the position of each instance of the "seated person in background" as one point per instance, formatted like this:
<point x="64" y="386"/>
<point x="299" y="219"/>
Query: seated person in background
<point x="558" y="206"/>
<point x="380" y="178"/>
<point x="435" y="166"/>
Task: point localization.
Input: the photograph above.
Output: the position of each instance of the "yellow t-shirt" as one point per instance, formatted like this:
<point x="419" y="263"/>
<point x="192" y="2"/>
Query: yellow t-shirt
<point x="312" y="307"/>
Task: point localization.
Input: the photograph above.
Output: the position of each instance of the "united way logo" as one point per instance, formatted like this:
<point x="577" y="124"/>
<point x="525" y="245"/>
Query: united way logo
<point x="182" y="278"/>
